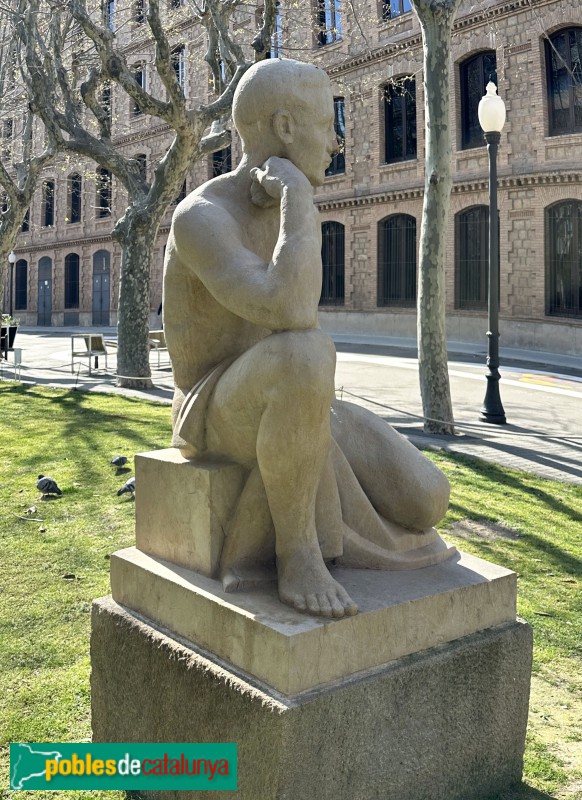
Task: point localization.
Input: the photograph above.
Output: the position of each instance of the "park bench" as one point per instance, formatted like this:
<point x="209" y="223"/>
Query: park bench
<point x="93" y="346"/>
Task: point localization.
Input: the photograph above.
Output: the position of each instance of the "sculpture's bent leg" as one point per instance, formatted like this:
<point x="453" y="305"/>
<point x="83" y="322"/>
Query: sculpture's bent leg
<point x="271" y="408"/>
<point x="401" y="483"/>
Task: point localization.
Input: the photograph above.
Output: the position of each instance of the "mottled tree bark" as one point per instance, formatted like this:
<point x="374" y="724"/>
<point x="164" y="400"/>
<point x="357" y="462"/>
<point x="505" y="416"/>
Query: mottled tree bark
<point x="436" y="19"/>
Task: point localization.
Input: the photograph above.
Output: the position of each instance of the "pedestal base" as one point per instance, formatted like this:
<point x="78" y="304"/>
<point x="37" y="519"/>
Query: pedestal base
<point x="447" y="723"/>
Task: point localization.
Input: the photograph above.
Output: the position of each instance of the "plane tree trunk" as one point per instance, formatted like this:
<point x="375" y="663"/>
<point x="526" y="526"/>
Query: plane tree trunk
<point x="436" y="19"/>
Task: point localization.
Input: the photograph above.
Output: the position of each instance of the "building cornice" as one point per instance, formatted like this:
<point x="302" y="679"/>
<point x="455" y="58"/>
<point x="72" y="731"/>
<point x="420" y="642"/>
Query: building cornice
<point x="459" y="187"/>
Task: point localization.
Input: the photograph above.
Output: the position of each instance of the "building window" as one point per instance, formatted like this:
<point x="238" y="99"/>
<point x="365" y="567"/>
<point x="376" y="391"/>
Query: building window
<point x="333" y="264"/>
<point x="21" y="285"/>
<point x="142" y="164"/>
<point x="175" y="3"/>
<point x="103" y="193"/>
<point x="138" y="72"/>
<point x="564" y="259"/>
<point x="139" y="13"/>
<point x="276" y="50"/>
<point x="74" y="191"/>
<point x="564" y="77"/>
<point x="109" y="14"/>
<point x="221" y="162"/>
<point x="7" y="132"/>
<point x="72" y="281"/>
<point x="179" y="64"/>
<point x="26" y="222"/>
<point x="394" y="8"/>
<point x="475" y="74"/>
<point x="400" y="121"/>
<point x="106" y="99"/>
<point x="472" y="258"/>
<point x="329" y="21"/>
<point x="182" y="194"/>
<point x="48" y="204"/>
<point x="338" y="164"/>
<point x="397" y="261"/>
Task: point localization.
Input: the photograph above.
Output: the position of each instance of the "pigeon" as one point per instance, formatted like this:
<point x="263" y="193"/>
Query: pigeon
<point x="47" y="486"/>
<point x="128" y="486"/>
<point x="118" y="461"/>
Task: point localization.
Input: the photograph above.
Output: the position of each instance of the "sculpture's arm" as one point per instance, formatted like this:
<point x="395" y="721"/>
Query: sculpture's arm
<point x="280" y="295"/>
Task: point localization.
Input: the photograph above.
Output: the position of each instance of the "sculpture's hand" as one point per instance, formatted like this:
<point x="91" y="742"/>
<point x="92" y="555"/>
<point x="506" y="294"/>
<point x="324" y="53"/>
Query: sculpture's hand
<point x="272" y="179"/>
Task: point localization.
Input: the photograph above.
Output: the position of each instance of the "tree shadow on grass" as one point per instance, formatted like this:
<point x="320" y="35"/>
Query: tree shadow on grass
<point x="511" y="480"/>
<point x="85" y="426"/>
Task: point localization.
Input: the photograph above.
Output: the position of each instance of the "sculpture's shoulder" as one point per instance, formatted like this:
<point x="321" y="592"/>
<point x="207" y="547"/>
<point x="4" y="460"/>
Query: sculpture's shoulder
<point x="202" y="217"/>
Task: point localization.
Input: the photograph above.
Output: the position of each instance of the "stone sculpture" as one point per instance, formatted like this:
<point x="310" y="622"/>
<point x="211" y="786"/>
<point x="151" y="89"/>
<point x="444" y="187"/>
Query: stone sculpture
<point x="254" y="374"/>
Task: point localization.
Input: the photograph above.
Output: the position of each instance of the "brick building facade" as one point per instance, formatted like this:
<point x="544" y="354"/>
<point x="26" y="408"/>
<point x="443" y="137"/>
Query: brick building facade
<point x="371" y="202"/>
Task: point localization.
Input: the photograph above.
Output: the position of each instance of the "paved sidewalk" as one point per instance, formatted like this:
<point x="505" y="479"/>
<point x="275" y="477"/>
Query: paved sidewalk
<point x="541" y="392"/>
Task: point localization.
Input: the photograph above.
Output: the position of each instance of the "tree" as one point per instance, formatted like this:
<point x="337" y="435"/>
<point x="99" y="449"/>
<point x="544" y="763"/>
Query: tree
<point x="21" y="159"/>
<point x="436" y="21"/>
<point x="67" y="91"/>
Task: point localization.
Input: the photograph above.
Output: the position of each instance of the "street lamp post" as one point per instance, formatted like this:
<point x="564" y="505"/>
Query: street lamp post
<point x="492" y="119"/>
<point x="11" y="261"/>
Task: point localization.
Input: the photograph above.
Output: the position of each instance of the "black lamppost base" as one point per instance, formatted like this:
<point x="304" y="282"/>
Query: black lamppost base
<point x="493" y="419"/>
<point x="492" y="410"/>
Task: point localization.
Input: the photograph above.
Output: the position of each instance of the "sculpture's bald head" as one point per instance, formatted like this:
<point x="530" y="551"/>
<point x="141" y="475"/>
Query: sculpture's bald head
<point x="275" y="85"/>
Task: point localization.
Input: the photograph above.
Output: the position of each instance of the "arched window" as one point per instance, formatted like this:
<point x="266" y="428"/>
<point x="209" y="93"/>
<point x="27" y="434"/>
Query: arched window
<point x="400" y="120"/>
<point x="564" y="259"/>
<point x="475" y="73"/>
<point x="333" y="264"/>
<point x="101" y="299"/>
<point x="139" y="11"/>
<point x="45" y="291"/>
<point x="72" y="281"/>
<point x="564" y="81"/>
<point x="21" y="285"/>
<point x="472" y="257"/>
<point x="74" y="192"/>
<point x="397" y="261"/>
<point x="48" y="204"/>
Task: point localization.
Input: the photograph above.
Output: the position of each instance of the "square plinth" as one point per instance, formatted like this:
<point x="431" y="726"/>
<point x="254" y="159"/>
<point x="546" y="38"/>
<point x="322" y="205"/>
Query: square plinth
<point x="447" y="723"/>
<point x="182" y="507"/>
<point x="400" y="613"/>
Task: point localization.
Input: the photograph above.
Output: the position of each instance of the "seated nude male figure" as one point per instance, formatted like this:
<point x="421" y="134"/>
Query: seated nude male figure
<point x="254" y="374"/>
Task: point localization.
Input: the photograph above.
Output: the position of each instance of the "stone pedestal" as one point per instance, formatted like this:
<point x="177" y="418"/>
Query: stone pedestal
<point x="447" y="723"/>
<point x="421" y="696"/>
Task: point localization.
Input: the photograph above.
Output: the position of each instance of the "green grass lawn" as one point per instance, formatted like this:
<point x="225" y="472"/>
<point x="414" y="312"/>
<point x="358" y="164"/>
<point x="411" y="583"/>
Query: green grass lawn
<point x="55" y="561"/>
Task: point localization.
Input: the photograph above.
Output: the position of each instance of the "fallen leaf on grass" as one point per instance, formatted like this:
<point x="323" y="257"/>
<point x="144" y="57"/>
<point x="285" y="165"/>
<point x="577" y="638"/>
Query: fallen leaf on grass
<point x="31" y="510"/>
<point x="42" y="530"/>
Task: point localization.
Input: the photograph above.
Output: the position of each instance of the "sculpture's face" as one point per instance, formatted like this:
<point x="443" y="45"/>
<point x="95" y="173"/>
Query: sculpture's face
<point x="314" y="138"/>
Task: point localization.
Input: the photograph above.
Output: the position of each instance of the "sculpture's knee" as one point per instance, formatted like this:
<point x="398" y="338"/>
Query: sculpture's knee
<point x="305" y="364"/>
<point x="430" y="491"/>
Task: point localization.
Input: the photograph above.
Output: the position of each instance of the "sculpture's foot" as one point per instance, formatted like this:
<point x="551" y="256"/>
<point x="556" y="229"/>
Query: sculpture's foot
<point x="306" y="585"/>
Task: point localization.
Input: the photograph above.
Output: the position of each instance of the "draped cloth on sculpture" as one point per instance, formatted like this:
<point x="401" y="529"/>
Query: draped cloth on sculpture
<point x="350" y="529"/>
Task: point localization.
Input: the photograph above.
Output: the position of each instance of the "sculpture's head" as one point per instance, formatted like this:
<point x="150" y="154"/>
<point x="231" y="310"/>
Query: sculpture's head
<point x="285" y="108"/>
